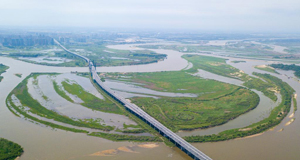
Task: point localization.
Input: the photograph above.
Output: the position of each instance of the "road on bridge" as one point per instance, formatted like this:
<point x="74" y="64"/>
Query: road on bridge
<point x="177" y="140"/>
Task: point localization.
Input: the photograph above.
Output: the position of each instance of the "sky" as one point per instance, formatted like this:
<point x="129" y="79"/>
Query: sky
<point x="210" y="15"/>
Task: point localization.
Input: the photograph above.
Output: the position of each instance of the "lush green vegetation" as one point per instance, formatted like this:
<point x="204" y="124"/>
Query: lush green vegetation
<point x="266" y="68"/>
<point x="34" y="107"/>
<point x="213" y="65"/>
<point x="3" y="68"/>
<point x="267" y="87"/>
<point x="58" y="89"/>
<point x="102" y="56"/>
<point x="215" y="102"/>
<point x="236" y="48"/>
<point x="184" y="48"/>
<point x="21" y="92"/>
<point x="19" y="75"/>
<point x="90" y="100"/>
<point x="9" y="150"/>
<point x="276" y="116"/>
<point x="288" y="67"/>
<point x="182" y="113"/>
<point x="119" y="137"/>
<point x="219" y="66"/>
<point x="238" y="61"/>
<point x="295" y="104"/>
<point x="177" y="82"/>
<point x="76" y="61"/>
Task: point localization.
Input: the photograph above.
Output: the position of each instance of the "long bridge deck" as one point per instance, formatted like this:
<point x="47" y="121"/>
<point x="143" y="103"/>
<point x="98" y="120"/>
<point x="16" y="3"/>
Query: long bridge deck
<point x="177" y="140"/>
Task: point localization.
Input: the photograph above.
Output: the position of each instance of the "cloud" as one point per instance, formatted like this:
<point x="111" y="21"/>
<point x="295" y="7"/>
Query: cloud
<point x="193" y="14"/>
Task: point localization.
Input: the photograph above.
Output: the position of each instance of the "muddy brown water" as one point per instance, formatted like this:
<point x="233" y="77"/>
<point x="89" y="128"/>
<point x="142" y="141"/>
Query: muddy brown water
<point x="46" y="143"/>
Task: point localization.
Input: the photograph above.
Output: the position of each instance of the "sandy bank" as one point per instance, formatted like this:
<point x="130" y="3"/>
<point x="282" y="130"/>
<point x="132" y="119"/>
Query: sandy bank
<point x="255" y="135"/>
<point x="149" y="145"/>
<point x="108" y="152"/>
<point x="290" y="121"/>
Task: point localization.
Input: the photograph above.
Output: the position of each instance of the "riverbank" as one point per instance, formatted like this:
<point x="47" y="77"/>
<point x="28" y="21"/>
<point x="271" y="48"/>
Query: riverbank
<point x="276" y="116"/>
<point x="3" y="68"/>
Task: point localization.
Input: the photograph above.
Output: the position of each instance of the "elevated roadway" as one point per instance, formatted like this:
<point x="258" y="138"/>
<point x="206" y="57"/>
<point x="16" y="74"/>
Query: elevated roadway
<point x="177" y="140"/>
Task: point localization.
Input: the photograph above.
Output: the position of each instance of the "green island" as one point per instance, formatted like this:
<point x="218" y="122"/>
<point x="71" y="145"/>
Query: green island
<point x="179" y="112"/>
<point x="215" y="102"/>
<point x="295" y="104"/>
<point x="18" y="75"/>
<point x="98" y="53"/>
<point x="30" y="106"/>
<point x="103" y="56"/>
<point x="238" y="61"/>
<point x="21" y="92"/>
<point x="241" y="48"/>
<point x="292" y="67"/>
<point x="276" y="116"/>
<point x="58" y="89"/>
<point x="218" y="66"/>
<point x="90" y="100"/>
<point x="9" y="150"/>
<point x="118" y="137"/>
<point x="3" y="69"/>
<point x="266" y="68"/>
<point x="75" y="61"/>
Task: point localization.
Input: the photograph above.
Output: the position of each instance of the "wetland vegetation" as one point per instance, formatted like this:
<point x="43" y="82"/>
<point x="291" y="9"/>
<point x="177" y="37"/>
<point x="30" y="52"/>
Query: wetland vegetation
<point x="34" y="107"/>
<point x="276" y="116"/>
<point x="9" y="150"/>
<point x="30" y="108"/>
<point x="218" y="66"/>
<point x="118" y="137"/>
<point x="215" y="103"/>
<point x="266" y="68"/>
<point x="3" y="69"/>
<point x="103" y="56"/>
<point x="241" y="48"/>
<point x="292" y="67"/>
<point x="89" y="100"/>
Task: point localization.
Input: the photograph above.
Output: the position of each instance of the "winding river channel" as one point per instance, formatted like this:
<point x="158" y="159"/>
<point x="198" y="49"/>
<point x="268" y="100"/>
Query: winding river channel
<point x="42" y="142"/>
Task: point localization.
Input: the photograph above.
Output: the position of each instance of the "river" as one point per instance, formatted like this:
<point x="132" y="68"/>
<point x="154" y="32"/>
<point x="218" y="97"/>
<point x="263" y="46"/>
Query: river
<point x="46" y="143"/>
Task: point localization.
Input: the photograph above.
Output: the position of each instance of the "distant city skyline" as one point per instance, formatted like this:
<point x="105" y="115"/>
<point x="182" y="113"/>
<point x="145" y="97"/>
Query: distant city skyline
<point x="230" y="15"/>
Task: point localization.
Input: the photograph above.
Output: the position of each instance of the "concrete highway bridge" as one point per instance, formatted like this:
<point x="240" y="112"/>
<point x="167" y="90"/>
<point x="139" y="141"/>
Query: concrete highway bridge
<point x="177" y="140"/>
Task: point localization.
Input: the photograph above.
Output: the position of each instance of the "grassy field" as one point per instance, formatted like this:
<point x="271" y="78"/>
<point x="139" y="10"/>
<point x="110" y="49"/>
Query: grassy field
<point x="3" y="68"/>
<point x="276" y="116"/>
<point x="213" y="65"/>
<point x="219" y="67"/>
<point x="103" y="56"/>
<point x="118" y="137"/>
<point x="184" y="48"/>
<point x="239" y="48"/>
<point x="21" y="92"/>
<point x="177" y="82"/>
<point x="9" y="150"/>
<point x="295" y="104"/>
<point x="215" y="104"/>
<point x="90" y="100"/>
<point x="58" y="89"/>
<point x="267" y="68"/>
<point x="76" y="61"/>
<point x="292" y="67"/>
<point x="191" y="113"/>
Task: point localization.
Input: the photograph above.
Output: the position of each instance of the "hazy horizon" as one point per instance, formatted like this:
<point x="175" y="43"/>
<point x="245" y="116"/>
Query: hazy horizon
<point x="196" y="15"/>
